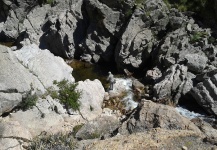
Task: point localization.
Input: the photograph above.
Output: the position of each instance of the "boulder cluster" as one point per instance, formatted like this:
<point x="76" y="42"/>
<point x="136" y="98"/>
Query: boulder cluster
<point x="173" y="52"/>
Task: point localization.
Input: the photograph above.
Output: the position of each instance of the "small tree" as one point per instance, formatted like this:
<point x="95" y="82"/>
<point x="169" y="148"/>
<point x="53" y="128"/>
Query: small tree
<point x="68" y="95"/>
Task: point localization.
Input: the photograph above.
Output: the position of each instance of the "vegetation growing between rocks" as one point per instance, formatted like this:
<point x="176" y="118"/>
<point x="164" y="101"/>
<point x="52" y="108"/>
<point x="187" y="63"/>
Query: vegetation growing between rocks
<point x="57" y="141"/>
<point x="29" y="101"/>
<point x="197" y="36"/>
<point x="67" y="94"/>
<point x="203" y="8"/>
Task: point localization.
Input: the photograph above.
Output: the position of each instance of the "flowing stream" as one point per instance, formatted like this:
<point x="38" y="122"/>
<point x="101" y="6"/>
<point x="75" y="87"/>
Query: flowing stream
<point x="126" y="85"/>
<point x="83" y="70"/>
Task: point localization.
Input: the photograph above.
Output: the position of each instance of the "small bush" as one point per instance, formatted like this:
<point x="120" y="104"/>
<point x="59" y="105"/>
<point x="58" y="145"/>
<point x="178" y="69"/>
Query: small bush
<point x="29" y="101"/>
<point x="197" y="36"/>
<point x="57" y="141"/>
<point x="67" y="94"/>
<point x="51" y="92"/>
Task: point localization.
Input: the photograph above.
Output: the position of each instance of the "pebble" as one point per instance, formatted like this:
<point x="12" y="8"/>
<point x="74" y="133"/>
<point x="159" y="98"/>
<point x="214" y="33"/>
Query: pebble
<point x="184" y="148"/>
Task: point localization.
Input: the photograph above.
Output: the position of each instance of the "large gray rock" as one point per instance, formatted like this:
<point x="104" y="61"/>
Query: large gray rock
<point x="102" y="126"/>
<point x="92" y="95"/>
<point x="45" y="116"/>
<point x="8" y="101"/>
<point x="105" y="24"/>
<point x="173" y="84"/>
<point x="28" y="69"/>
<point x="44" y="65"/>
<point x="15" y="12"/>
<point x="205" y="93"/>
<point x="12" y="134"/>
<point x="136" y="44"/>
<point x="58" y="27"/>
<point x="195" y="62"/>
<point x="176" y="46"/>
<point x="13" y="129"/>
<point x="15" y="80"/>
<point x="63" y="28"/>
<point x="14" y="77"/>
<point x="151" y="115"/>
<point x="7" y="143"/>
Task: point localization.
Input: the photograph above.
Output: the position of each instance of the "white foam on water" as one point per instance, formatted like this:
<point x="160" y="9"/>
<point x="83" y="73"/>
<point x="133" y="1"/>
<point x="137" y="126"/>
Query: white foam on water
<point x="189" y="114"/>
<point x="128" y="99"/>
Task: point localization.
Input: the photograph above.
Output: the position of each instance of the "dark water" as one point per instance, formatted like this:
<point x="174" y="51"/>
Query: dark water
<point x="8" y="44"/>
<point x="84" y="70"/>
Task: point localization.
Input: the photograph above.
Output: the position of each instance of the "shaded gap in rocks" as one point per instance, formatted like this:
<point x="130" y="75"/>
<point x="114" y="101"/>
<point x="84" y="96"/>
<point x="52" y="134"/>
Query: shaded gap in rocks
<point x="191" y="104"/>
<point x="84" y="70"/>
<point x="5" y="114"/>
<point x="81" y="31"/>
<point x="4" y="11"/>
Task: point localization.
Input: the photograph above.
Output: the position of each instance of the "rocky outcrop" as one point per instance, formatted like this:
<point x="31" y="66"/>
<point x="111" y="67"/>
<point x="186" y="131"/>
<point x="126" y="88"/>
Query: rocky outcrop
<point x="15" y="80"/>
<point x="15" y="12"/>
<point x="97" y="128"/>
<point x="92" y="96"/>
<point x="63" y="29"/>
<point x="100" y="39"/>
<point x="136" y="44"/>
<point x="44" y="65"/>
<point x="205" y="93"/>
<point x="51" y="26"/>
<point x="29" y="69"/>
<point x="13" y="135"/>
<point x="151" y="115"/>
<point x="175" y="83"/>
<point x="48" y="115"/>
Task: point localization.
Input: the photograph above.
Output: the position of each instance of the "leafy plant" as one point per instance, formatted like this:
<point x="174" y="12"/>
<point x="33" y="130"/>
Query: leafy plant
<point x="197" y="36"/>
<point x="67" y="94"/>
<point x="29" y="101"/>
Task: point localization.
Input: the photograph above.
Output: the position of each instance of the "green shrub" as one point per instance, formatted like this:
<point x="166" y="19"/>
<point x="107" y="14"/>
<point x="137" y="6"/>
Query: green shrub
<point x="67" y="94"/>
<point x="29" y="101"/>
<point x="197" y="36"/>
<point x="51" y="92"/>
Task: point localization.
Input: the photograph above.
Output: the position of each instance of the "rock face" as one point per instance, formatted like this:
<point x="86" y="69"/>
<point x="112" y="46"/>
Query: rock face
<point x="28" y="69"/>
<point x="98" y="127"/>
<point x="44" y="64"/>
<point x="205" y="94"/>
<point x="15" y="12"/>
<point x="138" y="35"/>
<point x="48" y="115"/>
<point x="135" y="46"/>
<point x="152" y="115"/>
<point x="15" y="80"/>
<point x="91" y="99"/>
<point x="176" y="82"/>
